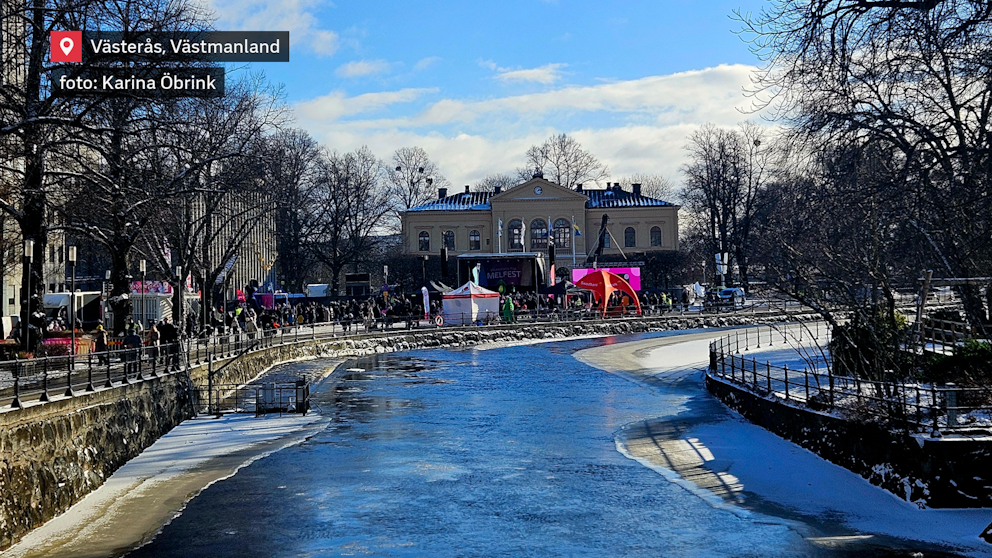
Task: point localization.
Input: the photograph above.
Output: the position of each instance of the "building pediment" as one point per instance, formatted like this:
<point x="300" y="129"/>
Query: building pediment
<point x="539" y="189"/>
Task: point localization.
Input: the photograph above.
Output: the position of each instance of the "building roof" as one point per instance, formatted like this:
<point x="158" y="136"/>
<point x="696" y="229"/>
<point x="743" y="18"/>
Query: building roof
<point x="611" y="198"/>
<point x="470" y="201"/>
<point x="597" y="199"/>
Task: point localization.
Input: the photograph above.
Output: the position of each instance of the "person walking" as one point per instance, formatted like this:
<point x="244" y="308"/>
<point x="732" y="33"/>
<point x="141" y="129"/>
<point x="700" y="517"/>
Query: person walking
<point x="153" y="340"/>
<point x="132" y="350"/>
<point x="100" y="346"/>
<point x="170" y="339"/>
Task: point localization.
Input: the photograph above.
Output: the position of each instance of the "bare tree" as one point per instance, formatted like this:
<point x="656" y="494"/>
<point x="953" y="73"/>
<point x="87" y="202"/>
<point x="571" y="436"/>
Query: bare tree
<point x="292" y="162"/>
<point x="727" y="170"/>
<point x="413" y="178"/>
<point x="498" y="180"/>
<point x="912" y="75"/>
<point x="562" y="160"/>
<point x="816" y="246"/>
<point x="217" y="147"/>
<point x="352" y="196"/>
<point x="35" y="124"/>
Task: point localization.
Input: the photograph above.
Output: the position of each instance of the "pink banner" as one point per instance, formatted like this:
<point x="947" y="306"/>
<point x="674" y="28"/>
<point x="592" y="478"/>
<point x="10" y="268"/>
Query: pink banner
<point x="151" y="287"/>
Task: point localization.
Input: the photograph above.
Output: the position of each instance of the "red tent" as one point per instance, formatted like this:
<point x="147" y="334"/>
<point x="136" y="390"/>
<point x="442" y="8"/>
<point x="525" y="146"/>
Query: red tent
<point x="602" y="283"/>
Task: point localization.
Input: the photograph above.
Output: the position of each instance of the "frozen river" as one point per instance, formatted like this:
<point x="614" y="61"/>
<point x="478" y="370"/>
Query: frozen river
<point x="516" y="451"/>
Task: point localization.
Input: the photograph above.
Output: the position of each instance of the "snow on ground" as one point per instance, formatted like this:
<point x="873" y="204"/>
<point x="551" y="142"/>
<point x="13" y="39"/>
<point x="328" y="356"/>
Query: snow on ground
<point x="782" y="473"/>
<point x="504" y="344"/>
<point x="143" y="495"/>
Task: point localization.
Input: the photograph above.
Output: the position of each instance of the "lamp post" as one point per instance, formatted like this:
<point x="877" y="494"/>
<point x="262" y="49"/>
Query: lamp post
<point x="141" y="267"/>
<point x="28" y="258"/>
<point x="182" y="295"/>
<point x="72" y="300"/>
<point x="106" y="300"/>
<point x="423" y="261"/>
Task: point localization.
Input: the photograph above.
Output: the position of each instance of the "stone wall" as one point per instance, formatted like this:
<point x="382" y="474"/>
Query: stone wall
<point x="52" y="455"/>
<point x="930" y="472"/>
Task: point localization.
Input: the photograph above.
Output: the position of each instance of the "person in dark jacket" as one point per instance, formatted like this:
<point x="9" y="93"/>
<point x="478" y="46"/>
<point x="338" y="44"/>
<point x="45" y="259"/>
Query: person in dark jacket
<point x="100" y="345"/>
<point x="169" y="336"/>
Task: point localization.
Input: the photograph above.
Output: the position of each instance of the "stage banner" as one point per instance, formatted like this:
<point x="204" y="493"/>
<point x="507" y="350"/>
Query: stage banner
<point x="515" y="272"/>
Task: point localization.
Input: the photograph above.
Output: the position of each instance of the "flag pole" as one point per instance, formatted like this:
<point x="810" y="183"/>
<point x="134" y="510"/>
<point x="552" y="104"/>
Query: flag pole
<point x="500" y="233"/>
<point x="573" y="241"/>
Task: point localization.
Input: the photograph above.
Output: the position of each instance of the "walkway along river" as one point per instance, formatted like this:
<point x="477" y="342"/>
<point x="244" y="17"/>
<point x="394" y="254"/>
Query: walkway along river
<point x="527" y="451"/>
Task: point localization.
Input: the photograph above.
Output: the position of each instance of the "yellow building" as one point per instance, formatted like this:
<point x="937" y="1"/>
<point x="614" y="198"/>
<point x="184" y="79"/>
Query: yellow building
<point x="522" y="218"/>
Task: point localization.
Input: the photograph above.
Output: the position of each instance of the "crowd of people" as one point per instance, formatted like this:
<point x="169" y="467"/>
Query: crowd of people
<point x="251" y="321"/>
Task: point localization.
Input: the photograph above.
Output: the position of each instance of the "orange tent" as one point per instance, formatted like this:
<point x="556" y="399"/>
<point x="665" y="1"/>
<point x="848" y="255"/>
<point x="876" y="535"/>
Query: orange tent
<point x="602" y="283"/>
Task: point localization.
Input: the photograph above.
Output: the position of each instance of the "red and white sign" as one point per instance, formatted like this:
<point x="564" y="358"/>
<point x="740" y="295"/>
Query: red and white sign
<point x="67" y="46"/>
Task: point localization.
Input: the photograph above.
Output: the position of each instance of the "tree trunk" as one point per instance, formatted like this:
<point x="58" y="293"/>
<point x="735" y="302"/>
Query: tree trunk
<point x="120" y="294"/>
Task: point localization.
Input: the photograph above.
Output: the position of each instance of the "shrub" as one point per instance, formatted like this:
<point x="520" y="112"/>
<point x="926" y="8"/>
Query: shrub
<point x="969" y="365"/>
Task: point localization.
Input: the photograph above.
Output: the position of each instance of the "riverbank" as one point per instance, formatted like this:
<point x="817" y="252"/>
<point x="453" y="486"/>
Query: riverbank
<point x="144" y="495"/>
<point x="735" y="465"/>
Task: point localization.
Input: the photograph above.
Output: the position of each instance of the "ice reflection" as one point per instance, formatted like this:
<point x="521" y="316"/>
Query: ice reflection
<point x="664" y="444"/>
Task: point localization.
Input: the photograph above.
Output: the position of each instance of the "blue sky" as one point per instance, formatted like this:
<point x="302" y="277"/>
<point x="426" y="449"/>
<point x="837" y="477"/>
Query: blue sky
<point x="477" y="83"/>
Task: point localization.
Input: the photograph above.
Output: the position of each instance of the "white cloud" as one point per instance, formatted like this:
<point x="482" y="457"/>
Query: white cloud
<point x="425" y="63"/>
<point x="296" y="16"/>
<point x="336" y="104"/>
<point x="641" y="125"/>
<point x="360" y="68"/>
<point x="713" y="94"/>
<point x="546" y="74"/>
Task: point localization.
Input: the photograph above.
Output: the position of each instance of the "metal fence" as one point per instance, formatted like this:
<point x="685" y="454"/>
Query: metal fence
<point x="942" y="336"/>
<point x="256" y="398"/>
<point x="41" y="379"/>
<point x="914" y="407"/>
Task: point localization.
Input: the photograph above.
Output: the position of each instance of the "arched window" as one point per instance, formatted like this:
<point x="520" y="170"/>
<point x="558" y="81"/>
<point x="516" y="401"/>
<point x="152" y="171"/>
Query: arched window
<point x="563" y="234"/>
<point x="474" y="241"/>
<point x="538" y="235"/>
<point x="606" y="239"/>
<point x="516" y="243"/>
<point x="629" y="237"/>
<point x="655" y="236"/>
<point x="449" y="239"/>
<point x="425" y="242"/>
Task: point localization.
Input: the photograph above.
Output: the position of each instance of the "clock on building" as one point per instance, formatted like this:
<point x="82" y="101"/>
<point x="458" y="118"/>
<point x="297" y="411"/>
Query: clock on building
<point x="538" y="190"/>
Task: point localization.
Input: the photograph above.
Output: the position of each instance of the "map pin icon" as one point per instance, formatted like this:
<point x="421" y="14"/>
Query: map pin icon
<point x="66" y="45"/>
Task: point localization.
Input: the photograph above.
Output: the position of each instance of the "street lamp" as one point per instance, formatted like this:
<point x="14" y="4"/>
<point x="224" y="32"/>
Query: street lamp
<point x="28" y="258"/>
<point x="182" y="298"/>
<point x="106" y="301"/>
<point x="72" y="299"/>
<point x="423" y="261"/>
<point x="141" y="267"/>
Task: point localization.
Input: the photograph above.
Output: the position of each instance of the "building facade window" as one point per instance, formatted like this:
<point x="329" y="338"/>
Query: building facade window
<point x="474" y="241"/>
<point x="449" y="239"/>
<point x="538" y="235"/>
<point x="563" y="234"/>
<point x="606" y="239"/>
<point x="655" y="236"/>
<point x="516" y="236"/>
<point x="629" y="237"/>
<point x="425" y="242"/>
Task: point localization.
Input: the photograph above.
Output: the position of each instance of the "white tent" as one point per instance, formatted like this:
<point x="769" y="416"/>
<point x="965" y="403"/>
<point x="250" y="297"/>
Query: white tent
<point x="469" y="303"/>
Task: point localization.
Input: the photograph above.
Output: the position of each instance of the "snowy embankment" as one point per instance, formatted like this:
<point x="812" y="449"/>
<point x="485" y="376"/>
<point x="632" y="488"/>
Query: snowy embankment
<point x="738" y="466"/>
<point x="151" y="489"/>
